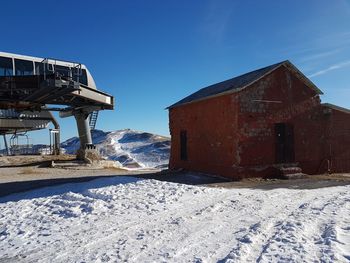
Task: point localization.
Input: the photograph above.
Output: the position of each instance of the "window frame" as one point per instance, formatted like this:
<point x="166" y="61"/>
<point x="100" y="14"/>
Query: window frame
<point x="12" y="66"/>
<point x="25" y="61"/>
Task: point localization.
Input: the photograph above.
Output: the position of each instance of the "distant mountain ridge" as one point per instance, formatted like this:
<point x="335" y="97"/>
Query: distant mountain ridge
<point x="132" y="149"/>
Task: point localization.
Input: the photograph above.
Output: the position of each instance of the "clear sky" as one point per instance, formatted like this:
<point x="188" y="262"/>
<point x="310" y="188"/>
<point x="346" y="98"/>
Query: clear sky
<point x="149" y="54"/>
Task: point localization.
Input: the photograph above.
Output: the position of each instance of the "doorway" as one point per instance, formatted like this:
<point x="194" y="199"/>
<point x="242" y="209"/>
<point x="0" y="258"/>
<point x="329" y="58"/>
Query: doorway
<point x="284" y="136"/>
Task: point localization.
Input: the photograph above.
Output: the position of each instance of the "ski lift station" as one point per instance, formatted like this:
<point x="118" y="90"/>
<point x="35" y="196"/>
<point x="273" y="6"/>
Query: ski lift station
<point x="32" y="87"/>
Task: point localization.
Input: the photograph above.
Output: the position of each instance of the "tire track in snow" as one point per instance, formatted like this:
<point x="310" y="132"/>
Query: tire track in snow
<point x="334" y="235"/>
<point x="294" y="240"/>
<point x="252" y="241"/>
<point x="279" y="237"/>
<point x="157" y="221"/>
<point x="250" y="232"/>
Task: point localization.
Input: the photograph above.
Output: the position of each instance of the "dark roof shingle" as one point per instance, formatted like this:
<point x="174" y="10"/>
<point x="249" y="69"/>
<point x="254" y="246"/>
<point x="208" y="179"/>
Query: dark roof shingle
<point x="227" y="85"/>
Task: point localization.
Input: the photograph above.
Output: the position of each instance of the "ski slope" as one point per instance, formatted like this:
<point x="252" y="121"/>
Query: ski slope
<point x="127" y="219"/>
<point x="132" y="149"/>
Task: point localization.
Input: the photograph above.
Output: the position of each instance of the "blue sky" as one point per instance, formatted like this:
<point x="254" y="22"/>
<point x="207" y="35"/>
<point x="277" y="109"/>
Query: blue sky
<point x="150" y="54"/>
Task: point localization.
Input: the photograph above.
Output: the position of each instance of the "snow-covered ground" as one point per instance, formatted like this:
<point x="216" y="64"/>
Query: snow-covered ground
<point x="127" y="219"/>
<point x="132" y="149"/>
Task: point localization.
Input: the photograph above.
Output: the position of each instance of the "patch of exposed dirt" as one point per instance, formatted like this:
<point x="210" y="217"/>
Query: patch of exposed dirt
<point x="33" y="160"/>
<point x="307" y="182"/>
<point x="31" y="168"/>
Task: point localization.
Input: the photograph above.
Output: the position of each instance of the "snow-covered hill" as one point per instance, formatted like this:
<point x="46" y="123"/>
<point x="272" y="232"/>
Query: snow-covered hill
<point x="125" y="219"/>
<point x="133" y="149"/>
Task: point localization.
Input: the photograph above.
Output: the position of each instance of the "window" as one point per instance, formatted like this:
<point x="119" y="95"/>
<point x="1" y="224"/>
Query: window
<point x="6" y="67"/>
<point x="80" y="74"/>
<point x="183" y="145"/>
<point x="39" y="68"/>
<point x="83" y="77"/>
<point x="24" y="67"/>
<point x="76" y="73"/>
<point x="63" y="71"/>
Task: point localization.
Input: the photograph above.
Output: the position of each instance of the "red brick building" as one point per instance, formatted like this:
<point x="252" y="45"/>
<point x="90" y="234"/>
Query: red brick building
<point x="261" y="123"/>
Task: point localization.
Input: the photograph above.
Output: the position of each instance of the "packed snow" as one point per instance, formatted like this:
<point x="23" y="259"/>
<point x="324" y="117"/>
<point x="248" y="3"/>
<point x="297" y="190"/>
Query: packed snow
<point x="132" y="149"/>
<point x="127" y="219"/>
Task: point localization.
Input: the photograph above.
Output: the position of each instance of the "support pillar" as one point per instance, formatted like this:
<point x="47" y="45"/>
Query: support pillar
<point x="56" y="136"/>
<point x="82" y="120"/>
<point x="87" y="151"/>
<point x="57" y="143"/>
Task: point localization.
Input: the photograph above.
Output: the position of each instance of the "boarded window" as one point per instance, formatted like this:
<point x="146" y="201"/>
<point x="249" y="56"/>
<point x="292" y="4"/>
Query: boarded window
<point x="6" y="67"/>
<point x="183" y="145"/>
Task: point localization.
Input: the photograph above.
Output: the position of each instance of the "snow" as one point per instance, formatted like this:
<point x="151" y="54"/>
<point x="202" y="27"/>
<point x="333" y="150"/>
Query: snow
<point x="129" y="219"/>
<point x="132" y="149"/>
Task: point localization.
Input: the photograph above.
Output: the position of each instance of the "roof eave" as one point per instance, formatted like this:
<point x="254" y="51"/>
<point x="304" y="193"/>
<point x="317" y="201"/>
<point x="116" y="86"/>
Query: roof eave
<point x="336" y="107"/>
<point x="286" y="63"/>
<point x="226" y="92"/>
<point x="302" y="77"/>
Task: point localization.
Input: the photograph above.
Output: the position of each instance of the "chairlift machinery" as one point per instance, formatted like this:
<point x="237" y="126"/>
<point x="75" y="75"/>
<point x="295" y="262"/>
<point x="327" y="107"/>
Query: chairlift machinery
<point x="38" y="85"/>
<point x="17" y="123"/>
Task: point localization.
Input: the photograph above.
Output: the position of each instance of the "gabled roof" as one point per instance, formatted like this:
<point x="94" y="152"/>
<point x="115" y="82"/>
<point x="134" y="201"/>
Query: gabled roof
<point x="241" y="82"/>
<point x="335" y="107"/>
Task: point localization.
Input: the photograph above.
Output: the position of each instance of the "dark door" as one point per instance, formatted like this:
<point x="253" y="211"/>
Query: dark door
<point x="183" y="145"/>
<point x="284" y="143"/>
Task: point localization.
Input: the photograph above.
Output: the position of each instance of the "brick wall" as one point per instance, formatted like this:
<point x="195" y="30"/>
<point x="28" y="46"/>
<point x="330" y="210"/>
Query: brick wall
<point x="211" y="127"/>
<point x="234" y="134"/>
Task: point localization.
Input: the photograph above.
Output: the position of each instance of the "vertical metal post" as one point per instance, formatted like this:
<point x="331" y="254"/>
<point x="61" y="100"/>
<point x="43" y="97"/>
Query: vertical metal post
<point x="50" y="134"/>
<point x="55" y="140"/>
<point x="6" y="146"/>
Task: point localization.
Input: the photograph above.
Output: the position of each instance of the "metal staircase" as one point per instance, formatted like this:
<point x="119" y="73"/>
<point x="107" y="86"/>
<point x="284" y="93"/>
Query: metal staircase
<point x="93" y="119"/>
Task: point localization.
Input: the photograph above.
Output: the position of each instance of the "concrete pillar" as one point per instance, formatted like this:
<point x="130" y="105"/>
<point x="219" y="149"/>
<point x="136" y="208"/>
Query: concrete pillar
<point x="82" y="120"/>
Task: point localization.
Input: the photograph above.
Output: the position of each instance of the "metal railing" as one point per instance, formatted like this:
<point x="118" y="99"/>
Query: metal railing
<point x="50" y="67"/>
